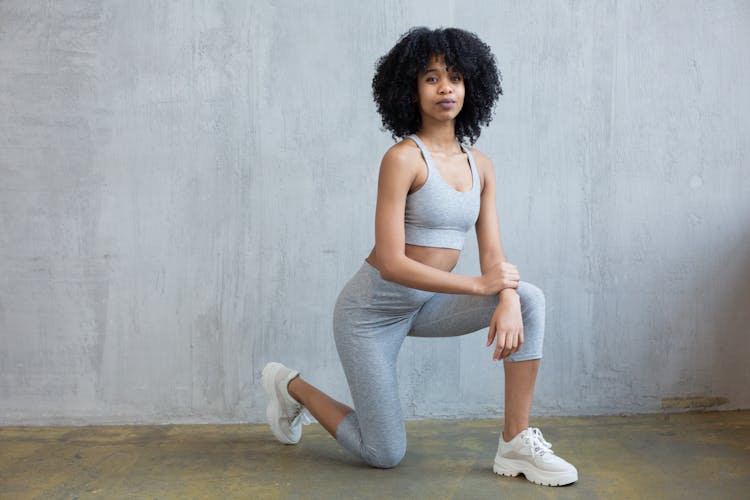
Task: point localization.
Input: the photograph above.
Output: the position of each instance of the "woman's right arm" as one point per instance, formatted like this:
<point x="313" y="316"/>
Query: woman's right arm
<point x="397" y="173"/>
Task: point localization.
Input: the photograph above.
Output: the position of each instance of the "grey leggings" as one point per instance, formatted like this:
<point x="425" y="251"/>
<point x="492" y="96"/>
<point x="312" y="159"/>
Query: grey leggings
<point x="371" y="319"/>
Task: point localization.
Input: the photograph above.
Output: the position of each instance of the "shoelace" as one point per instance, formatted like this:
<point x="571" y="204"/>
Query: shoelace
<point x="536" y="442"/>
<point x="301" y="415"/>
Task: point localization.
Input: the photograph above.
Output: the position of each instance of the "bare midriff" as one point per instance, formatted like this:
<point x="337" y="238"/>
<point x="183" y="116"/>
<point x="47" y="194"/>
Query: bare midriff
<point x="439" y="258"/>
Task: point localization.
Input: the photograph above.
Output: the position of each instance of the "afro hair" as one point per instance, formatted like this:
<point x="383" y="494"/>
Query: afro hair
<point x="394" y="86"/>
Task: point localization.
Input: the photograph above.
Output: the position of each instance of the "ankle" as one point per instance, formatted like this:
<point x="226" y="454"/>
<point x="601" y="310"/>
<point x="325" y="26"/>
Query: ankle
<point x="511" y="432"/>
<point x="293" y="387"/>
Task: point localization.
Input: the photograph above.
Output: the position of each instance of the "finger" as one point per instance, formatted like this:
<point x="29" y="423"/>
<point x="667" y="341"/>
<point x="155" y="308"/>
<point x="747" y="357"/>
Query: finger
<point x="506" y="352"/>
<point x="491" y="334"/>
<point x="520" y="339"/>
<point x="503" y="344"/>
<point x="499" y="347"/>
<point x="509" y="339"/>
<point x="513" y="272"/>
<point x="516" y="343"/>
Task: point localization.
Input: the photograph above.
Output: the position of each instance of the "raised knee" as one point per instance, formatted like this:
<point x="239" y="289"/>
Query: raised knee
<point x="387" y="457"/>
<point x="532" y="296"/>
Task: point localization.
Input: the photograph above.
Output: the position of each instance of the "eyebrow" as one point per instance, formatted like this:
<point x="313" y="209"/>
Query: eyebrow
<point x="435" y="70"/>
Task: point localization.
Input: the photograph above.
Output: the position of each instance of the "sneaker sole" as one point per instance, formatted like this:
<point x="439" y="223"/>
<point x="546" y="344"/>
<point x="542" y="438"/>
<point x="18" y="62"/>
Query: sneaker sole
<point x="513" y="468"/>
<point x="273" y="409"/>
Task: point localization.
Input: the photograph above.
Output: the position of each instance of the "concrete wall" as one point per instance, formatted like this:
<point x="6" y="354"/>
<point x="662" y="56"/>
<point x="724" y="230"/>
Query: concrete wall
<point x="185" y="187"/>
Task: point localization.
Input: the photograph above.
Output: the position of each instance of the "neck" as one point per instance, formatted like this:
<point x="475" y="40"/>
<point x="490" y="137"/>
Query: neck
<point x="441" y="136"/>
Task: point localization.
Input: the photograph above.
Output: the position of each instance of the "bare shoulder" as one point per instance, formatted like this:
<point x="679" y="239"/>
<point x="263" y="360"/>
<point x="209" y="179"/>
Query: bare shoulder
<point x="481" y="159"/>
<point x="403" y="153"/>
<point x="402" y="159"/>
<point x="484" y="165"/>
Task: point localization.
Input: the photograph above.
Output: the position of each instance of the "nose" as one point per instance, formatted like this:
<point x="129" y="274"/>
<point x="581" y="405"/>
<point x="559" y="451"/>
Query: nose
<point x="446" y="88"/>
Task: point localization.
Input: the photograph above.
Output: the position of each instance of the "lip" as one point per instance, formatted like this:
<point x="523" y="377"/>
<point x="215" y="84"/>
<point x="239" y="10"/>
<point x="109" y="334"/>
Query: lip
<point x="446" y="103"/>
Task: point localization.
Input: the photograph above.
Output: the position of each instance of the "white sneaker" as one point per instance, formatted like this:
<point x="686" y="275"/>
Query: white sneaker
<point x="530" y="454"/>
<point x="285" y="414"/>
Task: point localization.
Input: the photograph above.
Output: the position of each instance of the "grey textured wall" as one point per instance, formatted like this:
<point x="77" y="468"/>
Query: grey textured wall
<point x="186" y="186"/>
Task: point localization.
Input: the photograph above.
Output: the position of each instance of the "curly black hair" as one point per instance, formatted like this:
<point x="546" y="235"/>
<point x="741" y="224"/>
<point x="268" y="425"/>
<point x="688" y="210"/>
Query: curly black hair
<point x="394" y="86"/>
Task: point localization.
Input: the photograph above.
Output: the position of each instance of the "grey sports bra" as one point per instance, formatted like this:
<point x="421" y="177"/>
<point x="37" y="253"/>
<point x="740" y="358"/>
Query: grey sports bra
<point x="437" y="215"/>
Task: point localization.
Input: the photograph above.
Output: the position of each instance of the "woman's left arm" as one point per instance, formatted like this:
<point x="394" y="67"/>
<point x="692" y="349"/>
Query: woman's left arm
<point x="506" y="324"/>
<point x="487" y="225"/>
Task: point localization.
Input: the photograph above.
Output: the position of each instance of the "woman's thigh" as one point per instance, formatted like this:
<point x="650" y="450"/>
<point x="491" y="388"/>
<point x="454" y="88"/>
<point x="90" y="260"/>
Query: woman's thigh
<point x="371" y="319"/>
<point x="368" y="356"/>
<point x="447" y="315"/>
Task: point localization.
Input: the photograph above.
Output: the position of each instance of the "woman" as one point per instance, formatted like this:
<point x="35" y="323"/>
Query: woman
<point x="434" y="90"/>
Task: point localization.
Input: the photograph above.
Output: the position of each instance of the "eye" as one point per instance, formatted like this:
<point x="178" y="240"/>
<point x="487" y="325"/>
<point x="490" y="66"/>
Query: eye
<point x="456" y="78"/>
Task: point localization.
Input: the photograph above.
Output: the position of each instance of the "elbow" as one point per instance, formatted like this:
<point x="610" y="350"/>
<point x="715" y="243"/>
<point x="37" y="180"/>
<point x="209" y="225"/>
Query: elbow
<point x="386" y="273"/>
<point x="388" y="269"/>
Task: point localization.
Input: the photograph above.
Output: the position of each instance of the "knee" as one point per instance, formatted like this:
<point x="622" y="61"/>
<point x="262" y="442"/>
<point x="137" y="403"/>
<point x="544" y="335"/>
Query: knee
<point x="386" y="457"/>
<point x="532" y="297"/>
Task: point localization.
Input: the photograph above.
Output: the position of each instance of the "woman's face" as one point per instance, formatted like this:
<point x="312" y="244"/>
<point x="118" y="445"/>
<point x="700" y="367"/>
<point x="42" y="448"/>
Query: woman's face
<point x="440" y="91"/>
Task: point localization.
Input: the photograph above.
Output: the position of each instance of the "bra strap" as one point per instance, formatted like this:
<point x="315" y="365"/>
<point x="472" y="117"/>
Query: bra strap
<point x="474" y="171"/>
<point x="423" y="149"/>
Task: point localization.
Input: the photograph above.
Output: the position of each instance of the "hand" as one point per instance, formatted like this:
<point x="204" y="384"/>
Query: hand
<point x="507" y="327"/>
<point x="503" y="275"/>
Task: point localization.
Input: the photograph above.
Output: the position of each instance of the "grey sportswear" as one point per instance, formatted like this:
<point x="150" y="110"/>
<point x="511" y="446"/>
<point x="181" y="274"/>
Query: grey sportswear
<point x="371" y="319"/>
<point x="436" y="214"/>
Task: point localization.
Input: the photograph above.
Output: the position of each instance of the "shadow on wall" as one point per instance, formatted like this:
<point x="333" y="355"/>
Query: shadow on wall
<point x="707" y="335"/>
<point x="732" y="330"/>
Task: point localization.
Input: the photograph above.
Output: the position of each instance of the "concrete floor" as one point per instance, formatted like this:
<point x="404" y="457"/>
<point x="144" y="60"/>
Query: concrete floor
<point x="689" y="455"/>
